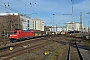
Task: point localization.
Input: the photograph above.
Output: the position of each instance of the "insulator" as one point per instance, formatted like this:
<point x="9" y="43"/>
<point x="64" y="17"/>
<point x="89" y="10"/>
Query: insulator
<point x="8" y="4"/>
<point x="35" y="3"/>
<point x="5" y="4"/>
<point x="30" y="3"/>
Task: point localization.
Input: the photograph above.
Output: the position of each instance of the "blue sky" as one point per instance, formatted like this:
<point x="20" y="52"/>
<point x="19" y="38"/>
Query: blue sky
<point x="46" y="8"/>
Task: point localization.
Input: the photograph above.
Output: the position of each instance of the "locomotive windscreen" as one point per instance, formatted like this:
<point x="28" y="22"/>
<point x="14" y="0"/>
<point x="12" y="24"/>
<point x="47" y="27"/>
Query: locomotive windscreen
<point x="14" y="32"/>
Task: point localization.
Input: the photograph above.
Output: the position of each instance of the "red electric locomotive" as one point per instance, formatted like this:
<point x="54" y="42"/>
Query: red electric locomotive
<point x="16" y="35"/>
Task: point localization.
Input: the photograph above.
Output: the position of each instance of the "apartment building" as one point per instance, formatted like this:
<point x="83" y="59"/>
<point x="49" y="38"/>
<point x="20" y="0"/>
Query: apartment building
<point x="26" y="22"/>
<point x="38" y="24"/>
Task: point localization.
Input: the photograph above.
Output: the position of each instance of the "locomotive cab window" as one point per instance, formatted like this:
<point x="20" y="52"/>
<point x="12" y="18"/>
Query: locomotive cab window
<point x="13" y="32"/>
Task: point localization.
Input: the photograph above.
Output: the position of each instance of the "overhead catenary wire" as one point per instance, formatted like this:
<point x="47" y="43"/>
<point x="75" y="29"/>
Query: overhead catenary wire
<point x="72" y="5"/>
<point x="26" y="5"/>
<point x="9" y="8"/>
<point x="31" y="3"/>
<point x="44" y="13"/>
<point x="72" y="8"/>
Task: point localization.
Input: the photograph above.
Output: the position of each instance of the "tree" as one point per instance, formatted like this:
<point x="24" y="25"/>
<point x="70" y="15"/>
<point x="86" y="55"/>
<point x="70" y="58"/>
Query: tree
<point x="9" y="22"/>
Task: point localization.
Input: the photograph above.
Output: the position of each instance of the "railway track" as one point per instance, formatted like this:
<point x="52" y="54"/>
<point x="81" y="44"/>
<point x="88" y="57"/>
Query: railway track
<point x="18" y="52"/>
<point x="6" y="54"/>
<point x="19" y="46"/>
<point x="73" y="51"/>
<point x="8" y="45"/>
<point x="19" y="43"/>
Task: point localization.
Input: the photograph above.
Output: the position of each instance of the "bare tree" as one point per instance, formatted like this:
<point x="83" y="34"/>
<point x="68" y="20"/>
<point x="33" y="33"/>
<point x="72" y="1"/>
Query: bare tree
<point x="9" y="22"/>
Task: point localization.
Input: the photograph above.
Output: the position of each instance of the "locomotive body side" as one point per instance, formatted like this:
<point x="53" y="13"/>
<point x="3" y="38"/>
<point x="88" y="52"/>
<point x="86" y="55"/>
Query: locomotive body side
<point x="17" y="35"/>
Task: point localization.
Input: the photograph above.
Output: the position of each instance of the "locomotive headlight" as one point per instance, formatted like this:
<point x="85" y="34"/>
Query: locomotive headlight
<point x="10" y="35"/>
<point x="70" y="34"/>
<point x="14" y="35"/>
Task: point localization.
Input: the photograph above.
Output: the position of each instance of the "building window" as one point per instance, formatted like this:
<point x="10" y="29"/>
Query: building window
<point x="27" y="21"/>
<point x="28" y="28"/>
<point x="28" y="25"/>
<point x="35" y="24"/>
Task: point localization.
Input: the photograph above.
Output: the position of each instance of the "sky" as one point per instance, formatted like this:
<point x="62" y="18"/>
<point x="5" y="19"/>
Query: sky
<point x="46" y="8"/>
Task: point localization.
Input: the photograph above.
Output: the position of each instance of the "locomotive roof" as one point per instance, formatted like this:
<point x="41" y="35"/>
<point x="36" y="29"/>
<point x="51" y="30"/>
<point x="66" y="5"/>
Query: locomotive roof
<point x="26" y="30"/>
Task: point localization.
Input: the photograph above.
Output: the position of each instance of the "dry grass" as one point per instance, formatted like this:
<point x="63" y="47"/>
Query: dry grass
<point x="86" y="43"/>
<point x="1" y="39"/>
<point x="57" y="55"/>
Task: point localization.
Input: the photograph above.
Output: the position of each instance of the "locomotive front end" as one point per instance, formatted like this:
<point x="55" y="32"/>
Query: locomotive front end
<point x="13" y="36"/>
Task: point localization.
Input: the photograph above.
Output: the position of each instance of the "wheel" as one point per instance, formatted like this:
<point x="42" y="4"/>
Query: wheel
<point x="13" y="41"/>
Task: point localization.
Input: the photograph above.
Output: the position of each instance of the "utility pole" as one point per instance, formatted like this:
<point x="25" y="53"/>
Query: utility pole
<point x="88" y="27"/>
<point x="18" y="21"/>
<point x="70" y="14"/>
<point x="81" y="24"/>
<point x="5" y="27"/>
<point x="53" y="22"/>
<point x="88" y="24"/>
<point x="56" y="28"/>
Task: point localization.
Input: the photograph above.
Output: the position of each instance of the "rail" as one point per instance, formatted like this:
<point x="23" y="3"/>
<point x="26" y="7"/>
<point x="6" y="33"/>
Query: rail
<point x="23" y="50"/>
<point x="69" y="50"/>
